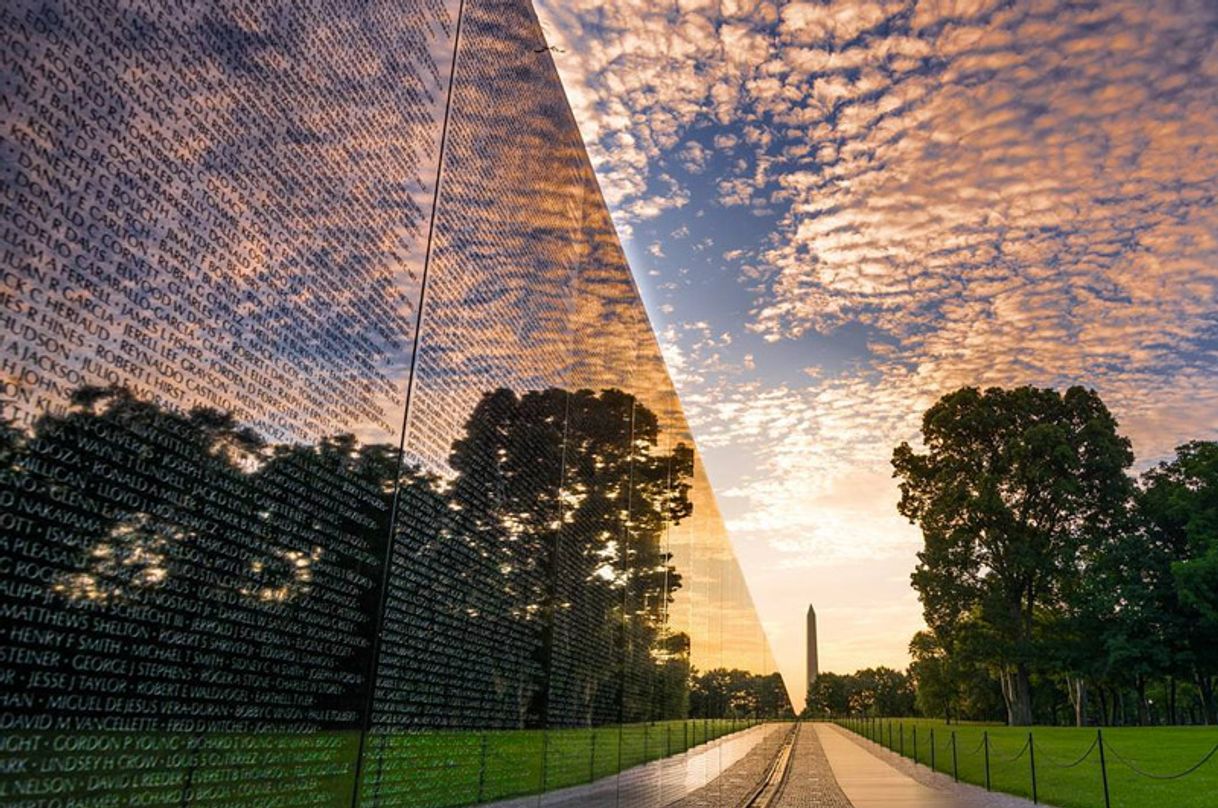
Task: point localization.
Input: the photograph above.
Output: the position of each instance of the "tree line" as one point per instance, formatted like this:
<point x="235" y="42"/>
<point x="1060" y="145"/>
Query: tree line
<point x="1056" y="585"/>
<point x="873" y="692"/>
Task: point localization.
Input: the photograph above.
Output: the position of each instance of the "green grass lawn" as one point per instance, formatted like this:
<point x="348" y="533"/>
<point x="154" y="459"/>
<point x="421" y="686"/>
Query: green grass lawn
<point x="1157" y="750"/>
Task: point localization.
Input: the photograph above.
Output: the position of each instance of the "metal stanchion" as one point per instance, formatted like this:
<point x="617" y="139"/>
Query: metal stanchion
<point x="955" y="761"/>
<point x="1032" y="762"/>
<point x="985" y="739"/>
<point x="1099" y="737"/>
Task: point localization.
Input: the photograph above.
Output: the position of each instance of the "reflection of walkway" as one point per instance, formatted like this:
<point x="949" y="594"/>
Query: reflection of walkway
<point x="869" y="780"/>
<point x="660" y="782"/>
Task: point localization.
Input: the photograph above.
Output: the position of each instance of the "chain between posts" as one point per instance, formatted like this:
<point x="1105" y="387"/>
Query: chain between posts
<point x="1129" y="765"/>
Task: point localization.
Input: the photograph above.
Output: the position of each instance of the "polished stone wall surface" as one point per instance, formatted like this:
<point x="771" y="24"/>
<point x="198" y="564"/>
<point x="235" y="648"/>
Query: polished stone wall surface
<point x="339" y="461"/>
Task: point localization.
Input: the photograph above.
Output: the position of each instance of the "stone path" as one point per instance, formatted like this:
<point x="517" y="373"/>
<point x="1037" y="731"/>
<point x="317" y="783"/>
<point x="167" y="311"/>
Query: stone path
<point x="810" y="782"/>
<point x="872" y="783"/>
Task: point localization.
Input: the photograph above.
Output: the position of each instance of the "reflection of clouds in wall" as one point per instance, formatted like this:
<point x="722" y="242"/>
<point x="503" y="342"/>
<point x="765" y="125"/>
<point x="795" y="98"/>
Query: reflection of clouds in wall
<point x="289" y="249"/>
<point x="507" y="239"/>
<point x="529" y="289"/>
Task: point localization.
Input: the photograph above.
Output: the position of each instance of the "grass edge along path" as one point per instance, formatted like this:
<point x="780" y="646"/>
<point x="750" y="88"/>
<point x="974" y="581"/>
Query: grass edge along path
<point x="1131" y="767"/>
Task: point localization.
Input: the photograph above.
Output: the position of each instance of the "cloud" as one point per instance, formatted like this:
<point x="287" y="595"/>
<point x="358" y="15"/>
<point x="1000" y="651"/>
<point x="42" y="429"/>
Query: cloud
<point x="1000" y="193"/>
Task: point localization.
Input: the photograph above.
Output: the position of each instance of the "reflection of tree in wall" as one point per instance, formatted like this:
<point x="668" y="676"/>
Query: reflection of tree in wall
<point x="544" y="581"/>
<point x="724" y="693"/>
<point x="189" y="522"/>
<point x="535" y="583"/>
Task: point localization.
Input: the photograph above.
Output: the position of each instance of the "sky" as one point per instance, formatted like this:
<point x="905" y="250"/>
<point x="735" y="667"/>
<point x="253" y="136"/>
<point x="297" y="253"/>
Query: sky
<point x="839" y="211"/>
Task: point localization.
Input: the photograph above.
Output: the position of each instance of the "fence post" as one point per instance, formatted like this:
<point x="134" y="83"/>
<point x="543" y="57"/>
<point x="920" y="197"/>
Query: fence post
<point x="621" y="733"/>
<point x="915" y="742"/>
<point x="1032" y="762"/>
<point x="646" y="733"/>
<point x="668" y="739"/>
<point x="1099" y="733"/>
<point x="985" y="741"/>
<point x="902" y="739"/>
<point x="482" y="769"/>
<point x="592" y="758"/>
<point x="890" y="734"/>
<point x="955" y="762"/>
<point x="932" y="749"/>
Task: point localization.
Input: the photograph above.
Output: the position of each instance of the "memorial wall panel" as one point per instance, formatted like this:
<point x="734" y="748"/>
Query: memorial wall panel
<point x="213" y="231"/>
<point x="340" y="461"/>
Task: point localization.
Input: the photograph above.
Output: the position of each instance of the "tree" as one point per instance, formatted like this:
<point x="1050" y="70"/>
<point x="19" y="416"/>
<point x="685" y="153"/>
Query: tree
<point x="874" y="691"/>
<point x="1179" y="506"/>
<point x="933" y="674"/>
<point x="883" y="692"/>
<point x="828" y="695"/>
<point x="528" y="588"/>
<point x="189" y="520"/>
<point x="1014" y="484"/>
<point x="547" y="548"/>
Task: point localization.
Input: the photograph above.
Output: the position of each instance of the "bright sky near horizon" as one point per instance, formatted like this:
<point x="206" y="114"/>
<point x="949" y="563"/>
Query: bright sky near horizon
<point x="838" y="211"/>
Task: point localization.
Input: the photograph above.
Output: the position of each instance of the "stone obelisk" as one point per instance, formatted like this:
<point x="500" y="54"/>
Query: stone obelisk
<point x="813" y="668"/>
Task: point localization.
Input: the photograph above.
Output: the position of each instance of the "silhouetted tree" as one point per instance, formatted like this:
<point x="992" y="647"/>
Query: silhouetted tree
<point x="1012" y="489"/>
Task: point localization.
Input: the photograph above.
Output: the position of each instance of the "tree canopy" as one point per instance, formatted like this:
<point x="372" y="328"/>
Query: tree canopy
<point x="1013" y="488"/>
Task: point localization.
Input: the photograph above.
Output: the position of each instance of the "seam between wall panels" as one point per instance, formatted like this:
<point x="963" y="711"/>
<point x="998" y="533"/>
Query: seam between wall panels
<point x="374" y="663"/>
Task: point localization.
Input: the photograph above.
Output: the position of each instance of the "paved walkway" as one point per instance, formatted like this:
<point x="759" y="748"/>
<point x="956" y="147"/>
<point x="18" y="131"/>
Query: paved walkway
<point x="739" y="780"/>
<point x="870" y="782"/>
<point x="874" y="777"/>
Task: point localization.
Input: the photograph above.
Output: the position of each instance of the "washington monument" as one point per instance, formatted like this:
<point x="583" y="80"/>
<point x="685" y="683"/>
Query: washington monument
<point x="813" y="669"/>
